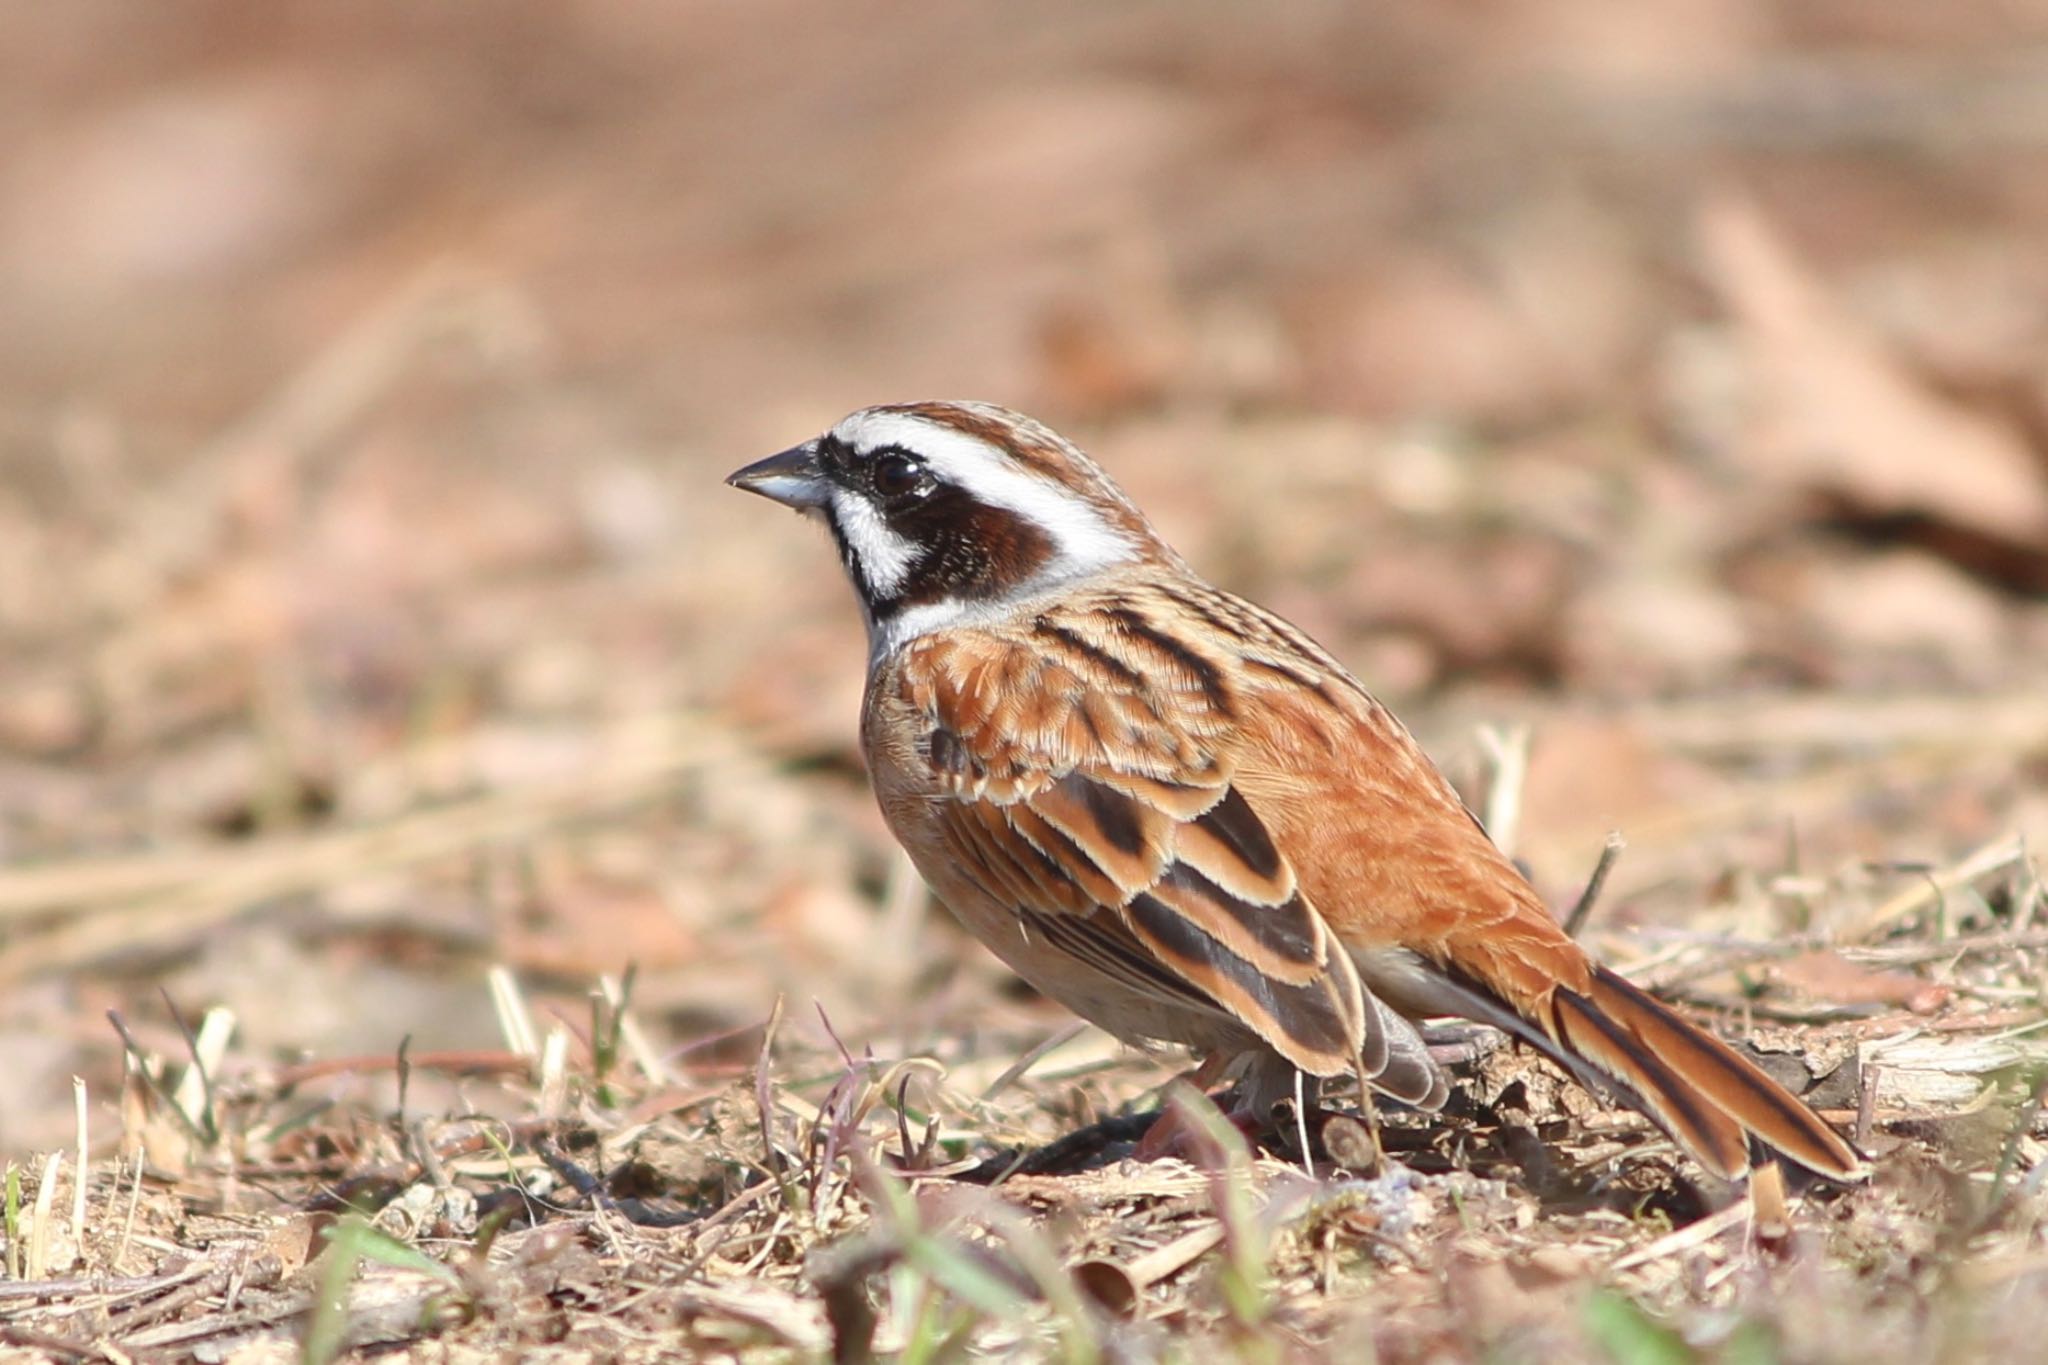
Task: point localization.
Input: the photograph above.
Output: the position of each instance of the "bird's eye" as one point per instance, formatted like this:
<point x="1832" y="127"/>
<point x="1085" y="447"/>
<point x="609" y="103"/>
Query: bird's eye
<point x="899" y="475"/>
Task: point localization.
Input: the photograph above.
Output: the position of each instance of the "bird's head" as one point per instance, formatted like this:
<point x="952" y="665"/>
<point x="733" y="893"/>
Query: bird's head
<point x="945" y="512"/>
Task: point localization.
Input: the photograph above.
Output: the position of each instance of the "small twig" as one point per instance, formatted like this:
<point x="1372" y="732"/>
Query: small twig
<point x="1686" y="1238"/>
<point x="1610" y="853"/>
<point x="1974" y="945"/>
<point x="403" y="1061"/>
<point x="1750" y="1008"/>
<point x="1308" y="1161"/>
<point x="1507" y="750"/>
<point x="515" y="1021"/>
<point x="134" y="1206"/>
<point x="271" y="1311"/>
<point x="52" y="1291"/>
<point x="63" y="1348"/>
<point x="1866" y="1102"/>
<point x="553" y="1099"/>
<point x="78" y="1099"/>
<point x="1121" y="1288"/>
<point x="1999" y="853"/>
<point x="1751" y="954"/>
<point x="477" y="1062"/>
<point x="216" y="1279"/>
<point x="764" y="1100"/>
<point x="1033" y="1055"/>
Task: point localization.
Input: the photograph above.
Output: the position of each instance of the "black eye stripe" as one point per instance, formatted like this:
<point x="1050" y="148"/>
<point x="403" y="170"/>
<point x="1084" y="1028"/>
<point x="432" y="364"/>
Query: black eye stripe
<point x="836" y="457"/>
<point x="884" y="471"/>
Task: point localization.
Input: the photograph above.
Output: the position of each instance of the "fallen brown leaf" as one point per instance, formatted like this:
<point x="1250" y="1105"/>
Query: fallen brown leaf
<point x="1827" y="975"/>
<point x="1836" y="414"/>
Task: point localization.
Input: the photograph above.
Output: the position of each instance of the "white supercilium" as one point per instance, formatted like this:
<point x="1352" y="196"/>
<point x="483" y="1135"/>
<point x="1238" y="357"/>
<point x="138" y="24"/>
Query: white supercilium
<point x="1083" y="542"/>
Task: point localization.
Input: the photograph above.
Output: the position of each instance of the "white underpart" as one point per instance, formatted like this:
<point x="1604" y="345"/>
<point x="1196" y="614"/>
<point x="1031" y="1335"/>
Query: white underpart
<point x="945" y="614"/>
<point x="1082" y="541"/>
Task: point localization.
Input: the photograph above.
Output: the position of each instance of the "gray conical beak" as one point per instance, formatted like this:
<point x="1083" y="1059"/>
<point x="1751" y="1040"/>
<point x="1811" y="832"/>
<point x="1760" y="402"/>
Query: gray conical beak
<point x="792" y="478"/>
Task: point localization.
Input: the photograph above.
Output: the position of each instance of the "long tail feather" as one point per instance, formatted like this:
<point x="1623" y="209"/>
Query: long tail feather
<point x="1706" y="1093"/>
<point x="1592" y="1033"/>
<point x="1709" y="1097"/>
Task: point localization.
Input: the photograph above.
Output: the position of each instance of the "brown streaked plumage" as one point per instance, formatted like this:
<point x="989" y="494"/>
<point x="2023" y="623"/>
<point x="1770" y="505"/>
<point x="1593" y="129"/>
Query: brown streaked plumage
<point x="1173" y="812"/>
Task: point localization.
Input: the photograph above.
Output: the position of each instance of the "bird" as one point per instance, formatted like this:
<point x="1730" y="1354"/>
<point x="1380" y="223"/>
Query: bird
<point x="1171" y="811"/>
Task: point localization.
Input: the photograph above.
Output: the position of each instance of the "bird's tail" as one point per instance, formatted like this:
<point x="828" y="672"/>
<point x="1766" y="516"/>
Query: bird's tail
<point x="1704" y="1093"/>
<point x="1709" y="1097"/>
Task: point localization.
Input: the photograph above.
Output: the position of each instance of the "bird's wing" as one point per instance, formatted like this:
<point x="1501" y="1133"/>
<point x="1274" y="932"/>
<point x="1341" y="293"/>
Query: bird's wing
<point x="1085" y="779"/>
<point x="1442" y="922"/>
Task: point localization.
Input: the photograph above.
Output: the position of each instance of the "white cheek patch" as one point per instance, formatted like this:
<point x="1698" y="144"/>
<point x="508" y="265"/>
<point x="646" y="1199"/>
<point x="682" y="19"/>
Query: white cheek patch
<point x="1082" y="540"/>
<point x="881" y="557"/>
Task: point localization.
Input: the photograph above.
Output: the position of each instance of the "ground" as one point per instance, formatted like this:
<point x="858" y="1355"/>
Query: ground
<point x="430" y="818"/>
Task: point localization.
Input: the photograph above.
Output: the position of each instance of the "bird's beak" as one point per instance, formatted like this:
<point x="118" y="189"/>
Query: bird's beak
<point x="792" y="478"/>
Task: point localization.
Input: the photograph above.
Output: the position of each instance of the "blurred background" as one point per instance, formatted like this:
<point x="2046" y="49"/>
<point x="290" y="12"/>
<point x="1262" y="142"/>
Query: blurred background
<point x="1671" y="378"/>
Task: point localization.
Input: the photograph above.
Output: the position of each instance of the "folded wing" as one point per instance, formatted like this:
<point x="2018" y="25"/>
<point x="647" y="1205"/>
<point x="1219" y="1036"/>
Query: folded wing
<point x="1123" y="842"/>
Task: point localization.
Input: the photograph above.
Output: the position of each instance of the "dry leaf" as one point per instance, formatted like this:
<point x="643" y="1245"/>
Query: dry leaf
<point x="1835" y="414"/>
<point x="1826" y="975"/>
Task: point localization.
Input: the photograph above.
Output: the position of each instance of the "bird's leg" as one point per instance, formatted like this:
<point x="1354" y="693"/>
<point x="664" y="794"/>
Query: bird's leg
<point x="1369" y="1114"/>
<point x="1170" y="1135"/>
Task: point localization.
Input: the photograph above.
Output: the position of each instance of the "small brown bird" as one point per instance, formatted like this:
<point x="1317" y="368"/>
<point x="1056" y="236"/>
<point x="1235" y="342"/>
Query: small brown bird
<point x="1179" y="816"/>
